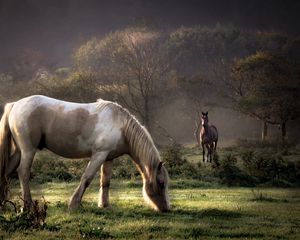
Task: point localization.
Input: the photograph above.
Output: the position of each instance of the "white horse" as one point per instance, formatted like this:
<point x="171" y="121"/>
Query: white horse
<point x="102" y="131"/>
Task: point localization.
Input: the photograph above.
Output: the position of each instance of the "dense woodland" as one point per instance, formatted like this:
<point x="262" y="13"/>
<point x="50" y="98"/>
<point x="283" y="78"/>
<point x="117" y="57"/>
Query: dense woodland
<point x="185" y="70"/>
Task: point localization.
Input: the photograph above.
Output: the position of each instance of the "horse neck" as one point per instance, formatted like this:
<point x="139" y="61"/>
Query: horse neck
<point x="142" y="149"/>
<point x="205" y="127"/>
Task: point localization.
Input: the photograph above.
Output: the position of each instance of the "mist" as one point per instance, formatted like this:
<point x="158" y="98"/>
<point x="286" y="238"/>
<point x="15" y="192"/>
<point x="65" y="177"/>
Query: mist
<point x="55" y="29"/>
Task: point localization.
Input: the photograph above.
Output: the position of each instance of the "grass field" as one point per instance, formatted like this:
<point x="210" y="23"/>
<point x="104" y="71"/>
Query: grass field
<point x="202" y="208"/>
<point x="197" y="212"/>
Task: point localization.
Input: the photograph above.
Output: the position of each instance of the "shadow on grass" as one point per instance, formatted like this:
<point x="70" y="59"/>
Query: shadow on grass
<point x="141" y="211"/>
<point x="93" y="222"/>
<point x="197" y="232"/>
<point x="207" y="213"/>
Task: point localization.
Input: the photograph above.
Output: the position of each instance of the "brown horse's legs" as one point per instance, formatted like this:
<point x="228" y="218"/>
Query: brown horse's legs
<point x="211" y="150"/>
<point x="96" y="161"/>
<point x="24" y="176"/>
<point x="214" y="148"/>
<point x="203" y="152"/>
<point x="208" y="152"/>
<point x="106" y="170"/>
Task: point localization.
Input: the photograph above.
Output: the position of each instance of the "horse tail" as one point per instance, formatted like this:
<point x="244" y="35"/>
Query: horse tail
<point x="5" y="150"/>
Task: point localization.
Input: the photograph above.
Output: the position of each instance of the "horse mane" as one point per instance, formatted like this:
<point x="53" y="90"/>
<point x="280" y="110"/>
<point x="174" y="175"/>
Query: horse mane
<point x="141" y="145"/>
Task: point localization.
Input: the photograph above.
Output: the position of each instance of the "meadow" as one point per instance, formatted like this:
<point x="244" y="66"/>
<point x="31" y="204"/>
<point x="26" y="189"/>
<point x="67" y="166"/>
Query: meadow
<point x="201" y="209"/>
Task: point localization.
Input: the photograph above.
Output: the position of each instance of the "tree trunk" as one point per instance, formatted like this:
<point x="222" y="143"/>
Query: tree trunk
<point x="264" y="133"/>
<point x="283" y="131"/>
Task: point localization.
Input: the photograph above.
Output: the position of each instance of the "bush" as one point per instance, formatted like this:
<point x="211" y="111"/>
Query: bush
<point x="47" y="169"/>
<point x="125" y="168"/>
<point x="243" y="165"/>
<point x="176" y="164"/>
<point x="274" y="146"/>
<point x="231" y="175"/>
<point x="23" y="220"/>
<point x="269" y="168"/>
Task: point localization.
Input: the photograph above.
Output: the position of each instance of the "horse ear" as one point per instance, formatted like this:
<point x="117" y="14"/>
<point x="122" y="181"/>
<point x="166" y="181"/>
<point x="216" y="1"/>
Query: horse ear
<point x="203" y="113"/>
<point x="206" y="113"/>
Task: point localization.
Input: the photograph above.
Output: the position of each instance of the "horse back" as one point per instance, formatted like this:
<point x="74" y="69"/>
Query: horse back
<point x="68" y="129"/>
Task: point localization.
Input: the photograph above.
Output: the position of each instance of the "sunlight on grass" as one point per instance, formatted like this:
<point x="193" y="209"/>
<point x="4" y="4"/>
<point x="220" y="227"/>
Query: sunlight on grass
<point x="206" y="213"/>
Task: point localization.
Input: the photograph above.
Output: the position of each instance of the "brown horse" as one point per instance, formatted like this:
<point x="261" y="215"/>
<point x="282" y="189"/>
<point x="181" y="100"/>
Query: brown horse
<point x="207" y="137"/>
<point x="102" y="131"/>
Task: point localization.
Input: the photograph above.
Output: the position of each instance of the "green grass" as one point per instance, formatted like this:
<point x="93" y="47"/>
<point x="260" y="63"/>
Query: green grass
<point x="198" y="212"/>
<point x="201" y="209"/>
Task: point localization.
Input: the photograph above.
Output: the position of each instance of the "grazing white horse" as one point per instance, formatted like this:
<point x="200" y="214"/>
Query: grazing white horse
<point x="102" y="131"/>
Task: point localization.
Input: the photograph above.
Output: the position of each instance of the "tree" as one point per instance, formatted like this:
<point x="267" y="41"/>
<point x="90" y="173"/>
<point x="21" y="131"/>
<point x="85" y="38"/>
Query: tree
<point x="202" y="61"/>
<point x="266" y="86"/>
<point x="132" y="63"/>
<point x="25" y="64"/>
<point x="78" y="86"/>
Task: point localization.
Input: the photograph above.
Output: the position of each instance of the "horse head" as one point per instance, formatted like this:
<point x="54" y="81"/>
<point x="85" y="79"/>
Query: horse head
<point x="156" y="190"/>
<point x="204" y="118"/>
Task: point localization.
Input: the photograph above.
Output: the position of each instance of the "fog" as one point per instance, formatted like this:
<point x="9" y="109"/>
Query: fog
<point x="55" y="28"/>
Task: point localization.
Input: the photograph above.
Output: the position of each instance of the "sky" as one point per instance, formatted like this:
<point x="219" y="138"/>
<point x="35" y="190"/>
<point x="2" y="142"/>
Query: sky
<point x="56" y="27"/>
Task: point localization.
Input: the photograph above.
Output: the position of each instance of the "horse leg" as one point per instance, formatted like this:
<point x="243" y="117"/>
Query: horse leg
<point x="93" y="166"/>
<point x="211" y="148"/>
<point x="203" y="152"/>
<point x="106" y="171"/>
<point x="14" y="162"/>
<point x="208" y="150"/>
<point x="215" y="148"/>
<point x="216" y="142"/>
<point x="24" y="176"/>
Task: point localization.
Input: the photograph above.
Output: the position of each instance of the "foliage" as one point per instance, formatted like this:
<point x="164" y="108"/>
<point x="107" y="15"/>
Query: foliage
<point x="266" y="163"/>
<point x="176" y="164"/>
<point x="268" y="167"/>
<point x="144" y="68"/>
<point x="266" y="86"/>
<point x="133" y="63"/>
<point x="124" y="168"/>
<point x="47" y="169"/>
<point x="24" y="220"/>
<point x="249" y="163"/>
<point x="231" y="175"/>
<point x="78" y="86"/>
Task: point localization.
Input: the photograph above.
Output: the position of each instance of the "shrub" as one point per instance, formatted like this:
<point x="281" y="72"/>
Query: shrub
<point x="23" y="220"/>
<point x="125" y="168"/>
<point x="231" y="175"/>
<point x="176" y="164"/>
<point x="46" y="169"/>
<point x="269" y="168"/>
